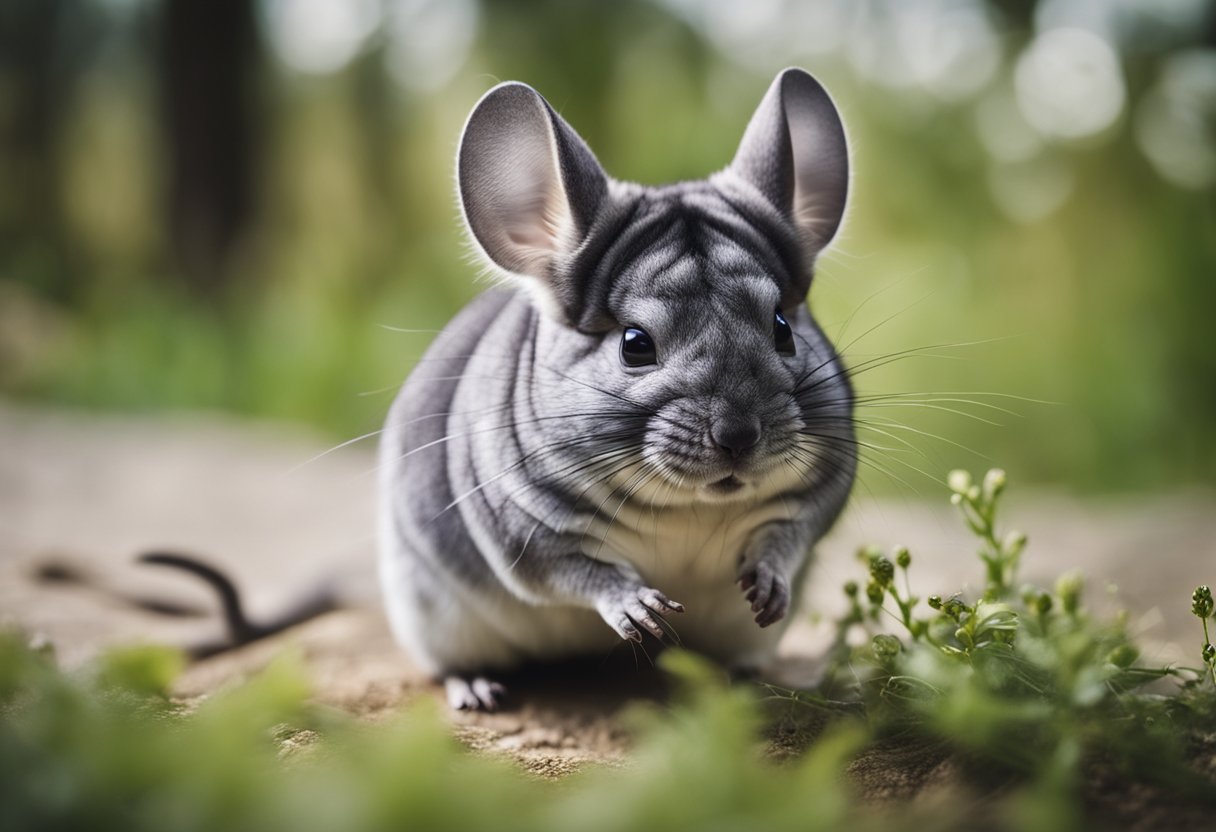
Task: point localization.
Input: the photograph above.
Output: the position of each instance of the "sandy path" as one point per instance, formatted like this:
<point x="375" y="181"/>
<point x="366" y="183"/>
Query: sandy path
<point x="95" y="490"/>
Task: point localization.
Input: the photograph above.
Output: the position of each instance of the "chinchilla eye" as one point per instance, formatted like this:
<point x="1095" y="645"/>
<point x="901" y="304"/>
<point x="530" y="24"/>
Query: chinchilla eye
<point x="637" y="348"/>
<point x="783" y="336"/>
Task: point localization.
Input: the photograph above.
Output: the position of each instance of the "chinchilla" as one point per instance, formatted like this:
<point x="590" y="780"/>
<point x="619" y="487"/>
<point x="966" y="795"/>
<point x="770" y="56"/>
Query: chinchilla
<point x="644" y="420"/>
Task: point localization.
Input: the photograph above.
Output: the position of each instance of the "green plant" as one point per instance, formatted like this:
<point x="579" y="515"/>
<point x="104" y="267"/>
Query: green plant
<point x="1201" y="606"/>
<point x="1022" y="677"/>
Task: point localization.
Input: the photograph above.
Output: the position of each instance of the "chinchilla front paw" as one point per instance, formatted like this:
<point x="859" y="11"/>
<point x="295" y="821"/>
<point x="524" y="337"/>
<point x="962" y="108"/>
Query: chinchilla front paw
<point x="768" y="591"/>
<point x="631" y="607"/>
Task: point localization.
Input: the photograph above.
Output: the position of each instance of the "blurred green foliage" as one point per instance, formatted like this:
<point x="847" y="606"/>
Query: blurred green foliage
<point x="76" y="753"/>
<point x="1060" y="251"/>
<point x="1034" y="701"/>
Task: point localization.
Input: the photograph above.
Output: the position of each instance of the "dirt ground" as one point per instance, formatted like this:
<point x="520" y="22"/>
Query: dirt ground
<point x="90" y="492"/>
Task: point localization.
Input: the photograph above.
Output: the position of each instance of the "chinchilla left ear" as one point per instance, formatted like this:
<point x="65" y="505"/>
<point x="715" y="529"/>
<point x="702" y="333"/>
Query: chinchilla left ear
<point x="529" y="186"/>
<point x="795" y="153"/>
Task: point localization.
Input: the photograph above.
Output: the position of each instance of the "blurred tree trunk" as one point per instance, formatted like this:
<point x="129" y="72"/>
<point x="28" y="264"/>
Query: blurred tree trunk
<point x="209" y="59"/>
<point x="43" y="45"/>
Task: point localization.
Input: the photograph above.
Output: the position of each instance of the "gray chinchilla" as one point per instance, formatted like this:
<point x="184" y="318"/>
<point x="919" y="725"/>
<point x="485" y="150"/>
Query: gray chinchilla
<point x="644" y="421"/>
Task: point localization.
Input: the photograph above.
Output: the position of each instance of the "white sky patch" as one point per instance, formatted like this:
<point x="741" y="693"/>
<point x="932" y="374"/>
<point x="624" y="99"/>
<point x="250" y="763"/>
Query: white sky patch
<point x="429" y="40"/>
<point x="1127" y="24"/>
<point x="1176" y="120"/>
<point x="318" y="37"/>
<point x="949" y="48"/>
<point x="1069" y="84"/>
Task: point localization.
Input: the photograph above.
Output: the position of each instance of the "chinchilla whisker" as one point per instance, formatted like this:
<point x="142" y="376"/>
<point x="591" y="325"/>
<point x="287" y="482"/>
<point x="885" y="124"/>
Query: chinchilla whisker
<point x="379" y="391"/>
<point x="404" y="331"/>
<point x="641" y="645"/>
<point x="874" y="362"/>
<point x="937" y="404"/>
<point x="844" y="327"/>
<point x="674" y="482"/>
<point x="911" y="448"/>
<point x="524" y="547"/>
<point x="581" y="469"/>
<point x="868" y="462"/>
<point x="969" y="397"/>
<point x="523" y="460"/>
<point x="846" y="347"/>
<point x="619" y="397"/>
<point x="867" y="459"/>
<point x="616" y="468"/>
<point x="906" y="446"/>
<point x="872" y="425"/>
<point x="606" y="466"/>
<point x="641" y="477"/>
<point x="464" y="375"/>
<point x="337" y="447"/>
<point x="504" y="426"/>
<point x="975" y="417"/>
<point x="482" y="485"/>
<point x="858" y="443"/>
<point x="832" y="450"/>
<point x="617" y="462"/>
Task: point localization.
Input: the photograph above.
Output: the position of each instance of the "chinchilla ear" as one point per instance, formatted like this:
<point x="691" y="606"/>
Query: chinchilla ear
<point x="529" y="186"/>
<point x="795" y="153"/>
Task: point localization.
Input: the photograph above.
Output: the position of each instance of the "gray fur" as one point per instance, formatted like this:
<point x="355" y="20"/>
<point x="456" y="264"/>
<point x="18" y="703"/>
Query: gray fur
<point x="539" y="498"/>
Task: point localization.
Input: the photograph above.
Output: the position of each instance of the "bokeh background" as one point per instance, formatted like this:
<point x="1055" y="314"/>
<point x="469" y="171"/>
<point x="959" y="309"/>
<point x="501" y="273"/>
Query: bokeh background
<point x="249" y="206"/>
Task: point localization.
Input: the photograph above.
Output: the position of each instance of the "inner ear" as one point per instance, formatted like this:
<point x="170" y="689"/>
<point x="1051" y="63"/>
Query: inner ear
<point x="795" y="153"/>
<point x="529" y="186"/>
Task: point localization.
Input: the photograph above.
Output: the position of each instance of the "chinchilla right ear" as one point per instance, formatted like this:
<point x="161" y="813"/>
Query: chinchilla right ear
<point x="529" y="186"/>
<point x="794" y="152"/>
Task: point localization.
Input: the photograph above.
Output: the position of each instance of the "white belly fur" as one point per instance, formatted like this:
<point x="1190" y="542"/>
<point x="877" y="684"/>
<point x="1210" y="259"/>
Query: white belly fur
<point x="691" y="552"/>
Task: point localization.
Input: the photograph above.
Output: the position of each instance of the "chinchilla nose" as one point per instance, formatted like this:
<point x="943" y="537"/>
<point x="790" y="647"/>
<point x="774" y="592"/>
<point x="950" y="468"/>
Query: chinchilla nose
<point x="735" y="434"/>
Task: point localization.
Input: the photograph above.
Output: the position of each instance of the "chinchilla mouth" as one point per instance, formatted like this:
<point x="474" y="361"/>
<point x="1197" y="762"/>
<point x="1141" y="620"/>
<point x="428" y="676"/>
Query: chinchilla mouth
<point x="726" y="485"/>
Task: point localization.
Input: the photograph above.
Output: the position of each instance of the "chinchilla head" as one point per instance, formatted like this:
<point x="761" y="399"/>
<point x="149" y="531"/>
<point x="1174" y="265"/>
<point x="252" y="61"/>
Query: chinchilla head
<point x="674" y="333"/>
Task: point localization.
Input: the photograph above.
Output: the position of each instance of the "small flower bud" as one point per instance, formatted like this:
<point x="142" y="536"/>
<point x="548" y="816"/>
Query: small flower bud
<point x="903" y="557"/>
<point x="1043" y="603"/>
<point x="954" y="608"/>
<point x="973" y="494"/>
<point x="868" y="554"/>
<point x="956" y="499"/>
<point x="882" y="571"/>
<point x="1209" y="653"/>
<point x="1068" y="588"/>
<point x="994" y="482"/>
<point x="935" y="602"/>
<point x="959" y="481"/>
<point x="1201" y="601"/>
<point x="1014" y="542"/>
<point x="1123" y="655"/>
<point x="874" y="592"/>
<point x="850" y="589"/>
<point x="885" y="647"/>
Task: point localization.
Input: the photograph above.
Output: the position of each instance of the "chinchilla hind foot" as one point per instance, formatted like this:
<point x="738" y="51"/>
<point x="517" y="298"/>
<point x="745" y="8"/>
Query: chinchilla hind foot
<point x="474" y="693"/>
